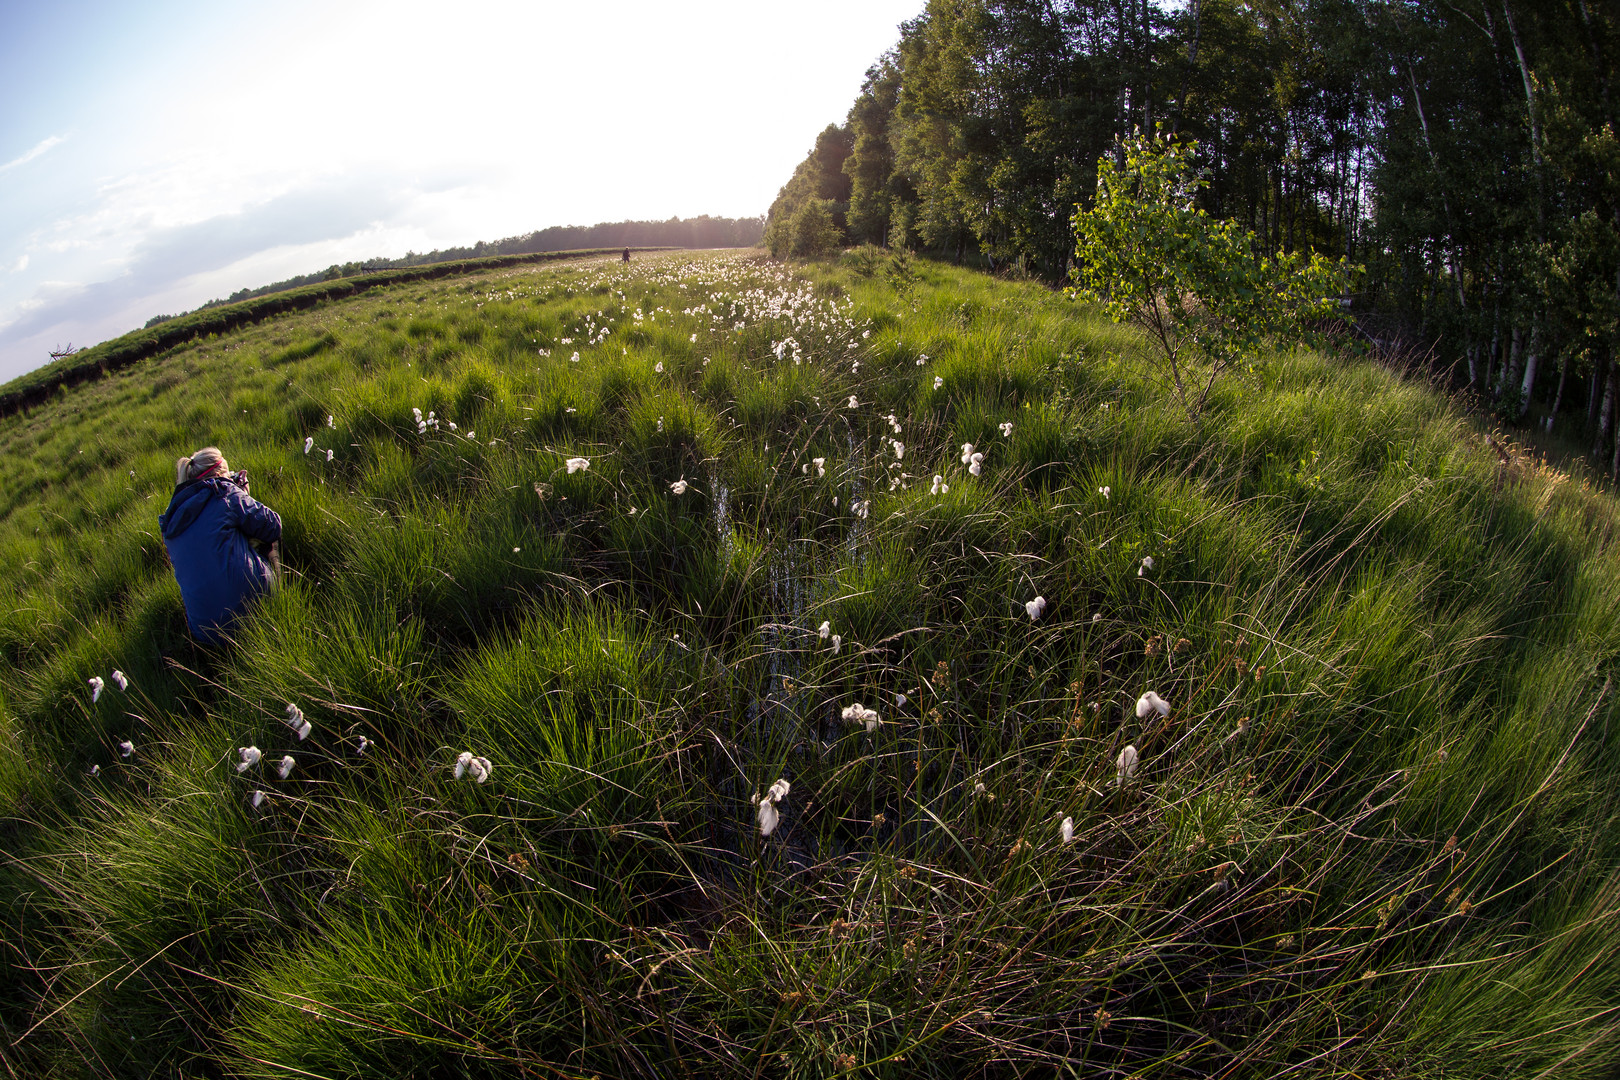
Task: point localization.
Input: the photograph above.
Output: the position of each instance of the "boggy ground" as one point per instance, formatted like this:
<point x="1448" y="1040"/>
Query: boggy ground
<point x="1374" y="835"/>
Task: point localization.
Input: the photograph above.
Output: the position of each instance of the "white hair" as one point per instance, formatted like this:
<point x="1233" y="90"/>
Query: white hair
<point x="189" y="468"/>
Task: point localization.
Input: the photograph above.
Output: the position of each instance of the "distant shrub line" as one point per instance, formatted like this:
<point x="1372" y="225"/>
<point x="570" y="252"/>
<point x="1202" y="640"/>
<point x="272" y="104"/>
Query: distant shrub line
<point x="37" y="387"/>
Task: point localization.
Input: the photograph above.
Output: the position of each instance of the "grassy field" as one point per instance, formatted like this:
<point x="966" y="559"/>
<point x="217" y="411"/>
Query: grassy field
<point x="1377" y="833"/>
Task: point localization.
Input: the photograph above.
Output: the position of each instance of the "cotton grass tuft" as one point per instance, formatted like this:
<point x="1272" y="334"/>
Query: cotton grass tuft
<point x="860" y="714"/>
<point x="767" y="814"/>
<point x="467" y="764"/>
<point x="295" y="720"/>
<point x="1125" y="765"/>
<point x="1150" y="704"/>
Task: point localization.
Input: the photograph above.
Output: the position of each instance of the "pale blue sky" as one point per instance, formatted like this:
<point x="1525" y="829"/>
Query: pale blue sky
<point x="157" y="155"/>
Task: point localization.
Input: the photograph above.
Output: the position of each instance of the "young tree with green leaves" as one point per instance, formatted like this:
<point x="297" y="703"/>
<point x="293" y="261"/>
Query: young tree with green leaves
<point x="1198" y="286"/>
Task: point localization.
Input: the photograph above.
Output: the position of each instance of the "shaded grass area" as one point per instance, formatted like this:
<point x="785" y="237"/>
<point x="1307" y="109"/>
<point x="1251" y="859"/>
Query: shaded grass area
<point x="1375" y="833"/>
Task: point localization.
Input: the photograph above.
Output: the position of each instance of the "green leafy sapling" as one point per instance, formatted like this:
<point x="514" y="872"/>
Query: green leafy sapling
<point x="1196" y="285"/>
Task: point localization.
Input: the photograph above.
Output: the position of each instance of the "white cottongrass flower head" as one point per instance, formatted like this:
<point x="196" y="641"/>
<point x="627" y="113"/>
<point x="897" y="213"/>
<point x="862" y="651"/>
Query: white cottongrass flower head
<point x="478" y="768"/>
<point x="329" y="422"/>
<point x="574" y="359"/>
<point x="365" y="744"/>
<point x="578" y="464"/>
<point x="1151" y="704"/>
<point x="862" y="507"/>
<point x="94" y="770"/>
<point x="967" y="452"/>
<point x="97" y="685"/>
<point x="899" y="449"/>
<point x="679" y="486"/>
<point x="853" y="403"/>
<point x="1006" y="429"/>
<point x="250" y="756"/>
<point x="126" y="749"/>
<point x="329" y="455"/>
<point x="284" y="767"/>
<point x="940" y="486"/>
<point x="1035" y="608"/>
<point x="256" y="799"/>
<point x="1125" y="765"/>
<point x="768" y="817"/>
<point x="976" y="463"/>
<point x="821" y="465"/>
<point x="1066" y="830"/>
<point x="309" y="443"/>
<point x="1105" y="491"/>
<point x="1147" y="564"/>
<point x="295" y="720"/>
<point x="938" y="381"/>
<point x="900" y="701"/>
<point x="120" y="680"/>
<point x="659" y="367"/>
<point x="860" y="714"/>
<point x="837" y="644"/>
<point x="824" y="630"/>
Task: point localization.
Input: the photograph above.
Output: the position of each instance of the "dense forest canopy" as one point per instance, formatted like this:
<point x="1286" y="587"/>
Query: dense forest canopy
<point x="1465" y="153"/>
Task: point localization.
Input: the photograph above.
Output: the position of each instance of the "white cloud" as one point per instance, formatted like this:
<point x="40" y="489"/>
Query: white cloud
<point x="29" y="155"/>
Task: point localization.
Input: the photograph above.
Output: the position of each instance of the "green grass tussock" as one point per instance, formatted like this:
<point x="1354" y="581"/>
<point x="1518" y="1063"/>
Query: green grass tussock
<point x="1376" y="834"/>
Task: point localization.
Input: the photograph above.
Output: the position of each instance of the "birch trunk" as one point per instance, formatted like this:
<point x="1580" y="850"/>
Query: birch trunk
<point x="1558" y="398"/>
<point x="1605" y="413"/>
<point x="1532" y="361"/>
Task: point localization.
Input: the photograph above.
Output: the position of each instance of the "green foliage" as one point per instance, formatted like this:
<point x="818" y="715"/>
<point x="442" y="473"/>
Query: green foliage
<point x="866" y="260"/>
<point x="807" y="217"/>
<point x="1196" y="285"/>
<point x="814" y="232"/>
<point x="901" y="272"/>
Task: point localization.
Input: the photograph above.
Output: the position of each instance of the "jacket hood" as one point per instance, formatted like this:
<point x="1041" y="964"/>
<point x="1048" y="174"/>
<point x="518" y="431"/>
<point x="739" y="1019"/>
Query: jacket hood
<point x="187" y="503"/>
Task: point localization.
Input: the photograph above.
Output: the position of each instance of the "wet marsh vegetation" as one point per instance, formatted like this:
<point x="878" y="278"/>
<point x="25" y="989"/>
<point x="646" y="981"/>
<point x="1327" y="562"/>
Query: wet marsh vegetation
<point x="1375" y="834"/>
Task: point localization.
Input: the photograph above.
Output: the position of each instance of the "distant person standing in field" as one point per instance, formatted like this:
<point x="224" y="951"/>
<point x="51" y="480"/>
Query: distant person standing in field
<point x="209" y="530"/>
<point x="626" y="254"/>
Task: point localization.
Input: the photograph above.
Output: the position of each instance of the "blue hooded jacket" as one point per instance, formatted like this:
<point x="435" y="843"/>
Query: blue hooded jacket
<point x="207" y="529"/>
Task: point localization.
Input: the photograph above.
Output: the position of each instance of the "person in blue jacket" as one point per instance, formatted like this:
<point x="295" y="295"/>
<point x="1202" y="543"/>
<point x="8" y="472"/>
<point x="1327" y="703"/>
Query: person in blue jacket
<point x="210" y="529"/>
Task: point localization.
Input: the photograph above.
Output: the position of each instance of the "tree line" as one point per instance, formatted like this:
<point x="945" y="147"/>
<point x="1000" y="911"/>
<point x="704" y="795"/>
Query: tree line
<point x="1463" y="152"/>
